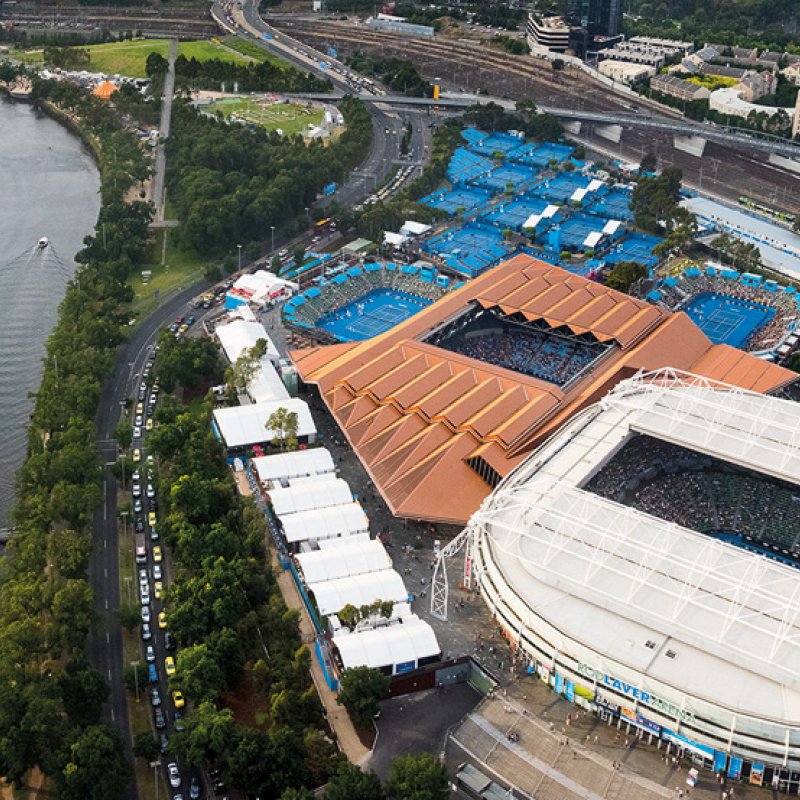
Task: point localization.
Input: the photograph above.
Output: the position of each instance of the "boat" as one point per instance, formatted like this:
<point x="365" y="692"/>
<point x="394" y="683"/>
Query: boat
<point x="43" y="242"/>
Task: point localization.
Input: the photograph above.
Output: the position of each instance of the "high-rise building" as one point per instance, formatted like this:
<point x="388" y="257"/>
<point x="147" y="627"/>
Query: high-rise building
<point x="598" y="17"/>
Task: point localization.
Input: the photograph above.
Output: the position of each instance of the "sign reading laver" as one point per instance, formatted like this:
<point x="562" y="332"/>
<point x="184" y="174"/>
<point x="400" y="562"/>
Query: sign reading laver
<point x="638" y="694"/>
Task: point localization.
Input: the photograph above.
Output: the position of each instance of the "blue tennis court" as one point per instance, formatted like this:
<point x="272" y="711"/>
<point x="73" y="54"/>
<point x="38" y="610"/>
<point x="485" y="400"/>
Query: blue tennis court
<point x="372" y="314"/>
<point x="727" y="320"/>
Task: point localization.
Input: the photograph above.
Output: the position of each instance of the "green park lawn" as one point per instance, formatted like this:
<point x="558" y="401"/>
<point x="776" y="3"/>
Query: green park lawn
<point x="129" y="58"/>
<point x="290" y="118"/>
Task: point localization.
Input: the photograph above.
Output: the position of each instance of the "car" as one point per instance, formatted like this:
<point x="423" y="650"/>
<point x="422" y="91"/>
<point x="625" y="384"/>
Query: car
<point x="137" y="422"/>
<point x="155" y="697"/>
<point x="194" y="788"/>
<point x="136" y="475"/>
<point x="148" y="426"/>
<point x="160" y="720"/>
<point x="138" y="507"/>
<point x="137" y="456"/>
<point x="164" y="742"/>
<point x="150" y="653"/>
<point x="143" y="575"/>
<point x="146" y="633"/>
<point x="150" y="460"/>
<point x="151" y="518"/>
<point x="152" y="673"/>
<point x="174" y="775"/>
<point x="169" y="666"/>
<point x="142" y="394"/>
<point x="169" y="641"/>
<point x="158" y="590"/>
<point x="183" y="328"/>
<point x="156" y="572"/>
<point x="173" y="327"/>
<point x="139" y="408"/>
<point x="177" y="699"/>
<point x="136" y="490"/>
<point x="153" y="535"/>
<point x="144" y="592"/>
<point x="154" y="504"/>
<point x="179" y="723"/>
<point x="162" y="619"/>
<point x="157" y="554"/>
<point x="145" y="613"/>
<point x="150" y="491"/>
<point x="139" y="524"/>
<point x="137" y="432"/>
<point x="190" y="320"/>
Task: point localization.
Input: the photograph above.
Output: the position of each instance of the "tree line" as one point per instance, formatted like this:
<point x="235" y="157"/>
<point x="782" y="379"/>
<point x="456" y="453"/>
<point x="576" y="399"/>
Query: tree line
<point x="50" y="696"/>
<point x="230" y="183"/>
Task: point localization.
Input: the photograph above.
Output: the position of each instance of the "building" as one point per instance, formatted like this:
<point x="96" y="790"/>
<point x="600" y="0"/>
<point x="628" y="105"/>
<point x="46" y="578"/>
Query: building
<point x="756" y="85"/>
<point x="550" y="33"/>
<point x="623" y="72"/>
<point x="671" y="47"/>
<point x="679" y="88"/>
<point x="598" y="17"/>
<point x="445" y="404"/>
<point x="620" y="603"/>
<point x="730" y="101"/>
<point x="259" y="288"/>
<point x="624" y="51"/>
<point x="796" y="118"/>
<point x="792" y="73"/>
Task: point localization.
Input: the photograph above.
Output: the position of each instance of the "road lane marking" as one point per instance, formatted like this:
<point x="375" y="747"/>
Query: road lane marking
<point x="112" y="715"/>
<point x="106" y="603"/>
<point x="108" y="638"/>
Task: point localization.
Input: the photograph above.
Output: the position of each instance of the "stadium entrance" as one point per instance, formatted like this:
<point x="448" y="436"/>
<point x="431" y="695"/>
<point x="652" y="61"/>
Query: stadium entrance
<point x="557" y="356"/>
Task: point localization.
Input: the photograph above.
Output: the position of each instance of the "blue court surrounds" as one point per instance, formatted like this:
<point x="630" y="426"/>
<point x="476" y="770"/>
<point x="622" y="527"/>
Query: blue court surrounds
<point x="727" y="320"/>
<point x="371" y="314"/>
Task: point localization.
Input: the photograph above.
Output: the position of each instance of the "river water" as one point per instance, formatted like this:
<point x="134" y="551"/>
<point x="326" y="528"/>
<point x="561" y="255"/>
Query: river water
<point x="48" y="187"/>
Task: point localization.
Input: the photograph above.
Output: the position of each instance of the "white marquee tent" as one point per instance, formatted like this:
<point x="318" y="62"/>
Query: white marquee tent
<point x="325" y="491"/>
<point x="358" y="590"/>
<point x="358" y="558"/>
<point x="298" y="464"/>
<point x="329" y="522"/>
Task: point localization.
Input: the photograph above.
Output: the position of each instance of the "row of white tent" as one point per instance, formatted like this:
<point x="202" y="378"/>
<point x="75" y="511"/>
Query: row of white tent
<point x="316" y="509"/>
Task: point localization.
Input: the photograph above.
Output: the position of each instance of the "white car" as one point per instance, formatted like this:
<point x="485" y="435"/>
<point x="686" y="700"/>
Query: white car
<point x="137" y="490"/>
<point x="137" y="424"/>
<point x="156" y="572"/>
<point x="151" y="492"/>
<point x="174" y="775"/>
<point x="146" y="614"/>
<point x="150" y="653"/>
<point x="137" y="431"/>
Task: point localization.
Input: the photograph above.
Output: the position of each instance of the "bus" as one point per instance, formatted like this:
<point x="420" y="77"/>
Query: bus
<point x="140" y="549"/>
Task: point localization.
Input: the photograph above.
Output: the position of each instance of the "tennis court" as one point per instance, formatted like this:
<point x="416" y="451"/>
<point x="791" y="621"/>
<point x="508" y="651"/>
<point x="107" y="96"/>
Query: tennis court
<point x="727" y="320"/>
<point x="370" y="315"/>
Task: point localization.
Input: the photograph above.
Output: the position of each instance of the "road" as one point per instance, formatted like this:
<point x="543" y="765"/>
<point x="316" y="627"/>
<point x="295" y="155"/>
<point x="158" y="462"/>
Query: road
<point x="166" y="116"/>
<point x="105" y="646"/>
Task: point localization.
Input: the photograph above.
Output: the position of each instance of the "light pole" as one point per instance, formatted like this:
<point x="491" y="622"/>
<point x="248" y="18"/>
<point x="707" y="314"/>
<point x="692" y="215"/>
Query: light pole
<point x="272" y="230"/>
<point x="155" y="765"/>
<point x="124" y="515"/>
<point x="128" y="587"/>
<point x="308" y="215"/>
<point x="240" y="256"/>
<point x="135" y="665"/>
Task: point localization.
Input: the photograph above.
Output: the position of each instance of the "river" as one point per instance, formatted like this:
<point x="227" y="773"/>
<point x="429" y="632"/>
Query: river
<point x="48" y="187"/>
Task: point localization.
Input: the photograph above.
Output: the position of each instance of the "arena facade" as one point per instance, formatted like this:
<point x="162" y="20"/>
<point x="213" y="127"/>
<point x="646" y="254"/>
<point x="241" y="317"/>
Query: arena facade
<point x="678" y="634"/>
<point x="445" y="404"/>
<point x="740" y="309"/>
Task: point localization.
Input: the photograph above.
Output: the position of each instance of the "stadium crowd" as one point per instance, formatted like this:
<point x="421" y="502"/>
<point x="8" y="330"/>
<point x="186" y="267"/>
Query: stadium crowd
<point x="540" y="354"/>
<point x="700" y="492"/>
<point x="676" y="297"/>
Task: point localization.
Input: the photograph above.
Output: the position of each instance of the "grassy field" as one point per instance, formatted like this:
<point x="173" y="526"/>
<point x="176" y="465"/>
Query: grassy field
<point x="289" y="118"/>
<point x="252" y="50"/>
<point x="129" y="58"/>
<point x="179" y="271"/>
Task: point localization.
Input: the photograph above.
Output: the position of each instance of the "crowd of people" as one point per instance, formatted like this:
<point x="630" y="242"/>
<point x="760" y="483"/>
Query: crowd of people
<point x="539" y="354"/>
<point x="765" y="337"/>
<point x="699" y="492"/>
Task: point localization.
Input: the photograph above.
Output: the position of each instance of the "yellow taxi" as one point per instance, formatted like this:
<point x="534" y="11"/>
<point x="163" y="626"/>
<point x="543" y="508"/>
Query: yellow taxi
<point x="169" y="666"/>
<point x="162" y="619"/>
<point x="177" y="699"/>
<point x="151" y="519"/>
<point x="157" y="556"/>
<point x="140" y="408"/>
<point x="137" y="455"/>
<point x="158" y="590"/>
<point x="149" y="424"/>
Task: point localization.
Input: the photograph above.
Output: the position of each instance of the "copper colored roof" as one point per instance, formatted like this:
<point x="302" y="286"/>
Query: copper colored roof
<point x="415" y="414"/>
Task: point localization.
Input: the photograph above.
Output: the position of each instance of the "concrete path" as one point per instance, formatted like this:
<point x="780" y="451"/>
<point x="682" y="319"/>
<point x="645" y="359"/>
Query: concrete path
<point x="166" y="116"/>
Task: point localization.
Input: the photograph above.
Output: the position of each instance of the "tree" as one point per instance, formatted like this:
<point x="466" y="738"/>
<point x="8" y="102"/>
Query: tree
<point x="417" y="778"/>
<point x="135" y="677"/>
<point x="146" y="746"/>
<point x="276" y="264"/>
<point x="68" y="551"/>
<point x="299" y="255"/>
<point x="624" y="275"/>
<point x="123" y="433"/>
<point x="350" y="783"/>
<point x="84" y="691"/>
<point x="94" y="766"/>
<point x="207" y="737"/>
<point x="558" y="64"/>
<point x="796" y="224"/>
<point x="362" y="690"/>
<point x="297" y="794"/>
<point x="199" y="674"/>
<point x="128" y="616"/>
<point x="244" y="369"/>
<point x="648" y="163"/>
<point x="282" y="423"/>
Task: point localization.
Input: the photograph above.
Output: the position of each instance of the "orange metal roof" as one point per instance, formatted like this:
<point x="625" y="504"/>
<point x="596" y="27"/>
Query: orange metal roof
<point x="415" y="413"/>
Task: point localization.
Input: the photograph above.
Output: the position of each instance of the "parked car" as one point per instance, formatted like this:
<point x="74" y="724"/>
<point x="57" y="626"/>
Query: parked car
<point x="160" y="720"/>
<point x="146" y="632"/>
<point x="155" y="697"/>
<point x="150" y="653"/>
<point x="174" y="775"/>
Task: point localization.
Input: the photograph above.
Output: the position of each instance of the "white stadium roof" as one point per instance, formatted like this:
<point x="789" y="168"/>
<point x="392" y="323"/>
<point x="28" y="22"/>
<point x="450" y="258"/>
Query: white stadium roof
<point x="358" y="590"/>
<point x="347" y="560"/>
<point x="613" y="578"/>
<point x="238" y="335"/>
<point x="399" y="643"/>
<point x="345" y="519"/>
<point x="297" y="464"/>
<point x="324" y="491"/>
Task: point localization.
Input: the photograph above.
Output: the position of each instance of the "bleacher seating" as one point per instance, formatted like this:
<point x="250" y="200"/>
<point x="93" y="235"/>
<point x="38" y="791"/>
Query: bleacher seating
<point x="701" y="493"/>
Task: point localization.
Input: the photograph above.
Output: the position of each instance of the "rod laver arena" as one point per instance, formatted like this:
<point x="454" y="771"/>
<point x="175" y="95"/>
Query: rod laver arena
<point x="645" y="561"/>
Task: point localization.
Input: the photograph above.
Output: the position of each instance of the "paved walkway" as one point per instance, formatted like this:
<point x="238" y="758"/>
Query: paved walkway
<point x="166" y="116"/>
<point x="346" y="735"/>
